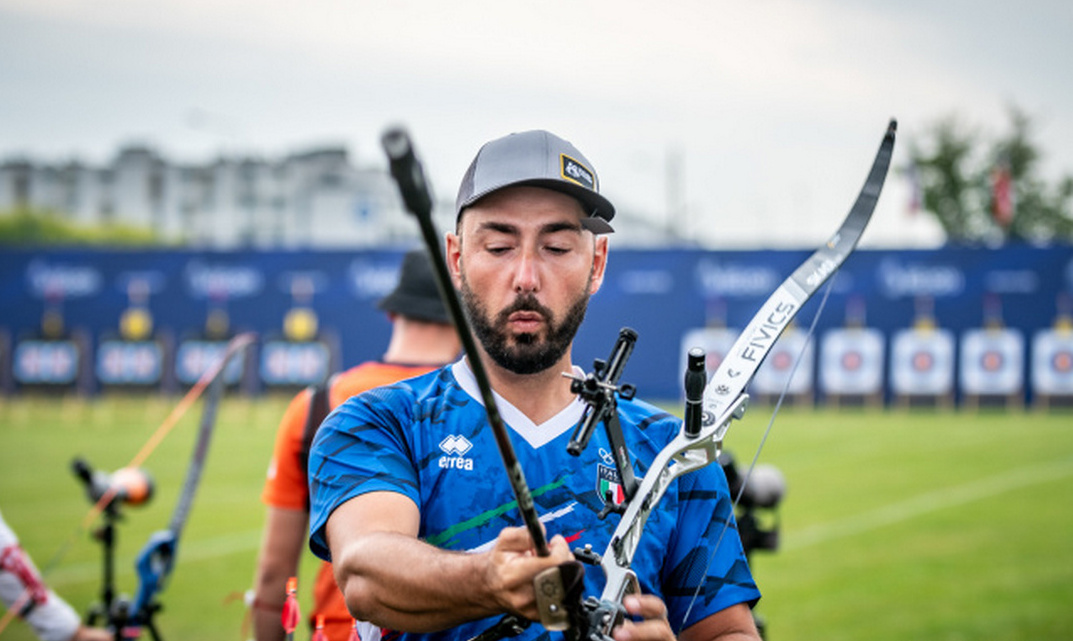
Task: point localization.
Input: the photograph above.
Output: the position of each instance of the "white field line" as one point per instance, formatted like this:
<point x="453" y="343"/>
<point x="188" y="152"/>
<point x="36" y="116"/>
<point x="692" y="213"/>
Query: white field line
<point x="987" y="487"/>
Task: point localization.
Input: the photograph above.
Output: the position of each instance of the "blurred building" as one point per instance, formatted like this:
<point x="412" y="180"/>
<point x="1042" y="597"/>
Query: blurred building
<point x="313" y="199"/>
<point x="316" y="199"/>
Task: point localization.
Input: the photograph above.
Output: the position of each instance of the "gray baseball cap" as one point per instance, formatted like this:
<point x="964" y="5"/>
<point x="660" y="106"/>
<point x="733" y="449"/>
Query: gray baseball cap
<point x="539" y="159"/>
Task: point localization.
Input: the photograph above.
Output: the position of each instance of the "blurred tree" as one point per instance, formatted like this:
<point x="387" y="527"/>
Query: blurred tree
<point x="992" y="195"/>
<point x="26" y="227"/>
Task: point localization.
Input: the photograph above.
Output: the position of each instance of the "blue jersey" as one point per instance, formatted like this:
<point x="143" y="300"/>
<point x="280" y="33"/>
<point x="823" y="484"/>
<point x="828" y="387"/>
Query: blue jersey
<point x="428" y="438"/>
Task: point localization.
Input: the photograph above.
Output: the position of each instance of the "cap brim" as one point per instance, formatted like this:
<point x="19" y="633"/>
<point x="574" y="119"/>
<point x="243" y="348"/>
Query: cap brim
<point x="598" y="209"/>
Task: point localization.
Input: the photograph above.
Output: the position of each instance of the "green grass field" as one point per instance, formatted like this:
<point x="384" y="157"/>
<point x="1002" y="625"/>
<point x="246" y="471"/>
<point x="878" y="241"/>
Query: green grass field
<point x="913" y="524"/>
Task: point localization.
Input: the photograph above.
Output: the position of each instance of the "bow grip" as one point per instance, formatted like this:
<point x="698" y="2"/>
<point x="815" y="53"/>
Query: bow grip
<point x="154" y="565"/>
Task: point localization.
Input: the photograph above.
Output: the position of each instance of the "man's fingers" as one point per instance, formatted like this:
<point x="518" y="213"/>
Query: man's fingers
<point x="515" y="539"/>
<point x="645" y="606"/>
<point x="653" y="627"/>
<point x="560" y="549"/>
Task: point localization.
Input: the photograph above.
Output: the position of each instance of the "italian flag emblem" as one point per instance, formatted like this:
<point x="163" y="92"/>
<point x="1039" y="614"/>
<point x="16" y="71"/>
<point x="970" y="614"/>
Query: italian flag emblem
<point x="608" y="486"/>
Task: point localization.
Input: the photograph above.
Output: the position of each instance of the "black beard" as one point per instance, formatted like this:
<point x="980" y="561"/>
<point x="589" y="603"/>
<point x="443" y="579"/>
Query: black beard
<point x="529" y="354"/>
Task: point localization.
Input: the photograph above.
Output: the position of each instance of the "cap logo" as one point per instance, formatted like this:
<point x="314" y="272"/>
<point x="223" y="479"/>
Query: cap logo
<point x="574" y="171"/>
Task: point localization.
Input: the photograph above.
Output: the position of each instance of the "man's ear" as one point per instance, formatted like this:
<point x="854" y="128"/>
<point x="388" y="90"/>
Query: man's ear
<point x="599" y="263"/>
<point x="453" y="256"/>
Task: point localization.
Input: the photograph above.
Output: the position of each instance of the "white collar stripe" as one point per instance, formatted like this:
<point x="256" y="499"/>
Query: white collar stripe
<point x="535" y="435"/>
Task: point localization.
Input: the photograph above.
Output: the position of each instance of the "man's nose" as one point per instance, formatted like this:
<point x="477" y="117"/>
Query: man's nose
<point x="526" y="276"/>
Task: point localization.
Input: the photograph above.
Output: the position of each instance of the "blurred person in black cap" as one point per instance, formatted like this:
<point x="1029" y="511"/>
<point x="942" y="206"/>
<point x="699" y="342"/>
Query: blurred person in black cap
<point x="422" y="338"/>
<point x="408" y="494"/>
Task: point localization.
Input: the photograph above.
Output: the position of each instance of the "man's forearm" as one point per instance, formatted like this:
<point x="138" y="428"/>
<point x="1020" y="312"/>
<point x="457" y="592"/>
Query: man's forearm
<point x="269" y="595"/>
<point x="277" y="561"/>
<point x="399" y="582"/>
<point x="392" y="579"/>
<point x="735" y="623"/>
<point x="267" y="623"/>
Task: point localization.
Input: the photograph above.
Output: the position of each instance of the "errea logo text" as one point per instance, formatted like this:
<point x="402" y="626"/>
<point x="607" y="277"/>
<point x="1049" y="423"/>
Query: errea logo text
<point x="457" y="446"/>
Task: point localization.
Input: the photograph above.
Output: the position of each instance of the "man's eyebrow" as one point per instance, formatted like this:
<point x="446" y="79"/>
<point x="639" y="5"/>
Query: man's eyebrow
<point x="503" y="228"/>
<point x="550" y="228"/>
<point x="558" y="226"/>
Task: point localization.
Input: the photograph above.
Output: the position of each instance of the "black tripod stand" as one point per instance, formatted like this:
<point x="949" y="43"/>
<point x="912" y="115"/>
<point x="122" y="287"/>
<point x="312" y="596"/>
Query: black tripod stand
<point x="764" y="490"/>
<point x="113" y="611"/>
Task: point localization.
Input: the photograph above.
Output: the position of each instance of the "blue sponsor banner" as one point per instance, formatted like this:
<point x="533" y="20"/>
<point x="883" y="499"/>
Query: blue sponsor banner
<point x="662" y="294"/>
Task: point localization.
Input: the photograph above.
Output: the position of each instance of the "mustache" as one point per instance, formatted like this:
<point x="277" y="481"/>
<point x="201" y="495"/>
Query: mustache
<point x="525" y="303"/>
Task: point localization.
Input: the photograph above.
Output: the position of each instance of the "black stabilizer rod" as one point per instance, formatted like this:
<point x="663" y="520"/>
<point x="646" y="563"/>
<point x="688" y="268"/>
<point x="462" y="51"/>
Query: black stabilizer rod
<point x="696" y="380"/>
<point x="410" y="177"/>
<point x="408" y="173"/>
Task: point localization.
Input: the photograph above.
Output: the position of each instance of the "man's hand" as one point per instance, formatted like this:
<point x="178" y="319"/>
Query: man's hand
<point x="514" y="565"/>
<point x="735" y="622"/>
<point x="654" y="625"/>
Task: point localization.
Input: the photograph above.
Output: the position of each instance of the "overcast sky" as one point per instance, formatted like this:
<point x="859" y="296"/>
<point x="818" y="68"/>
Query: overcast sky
<point x="746" y="123"/>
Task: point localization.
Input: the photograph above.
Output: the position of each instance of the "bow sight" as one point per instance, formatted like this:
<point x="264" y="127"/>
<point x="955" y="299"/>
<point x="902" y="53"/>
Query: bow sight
<point x="598" y="390"/>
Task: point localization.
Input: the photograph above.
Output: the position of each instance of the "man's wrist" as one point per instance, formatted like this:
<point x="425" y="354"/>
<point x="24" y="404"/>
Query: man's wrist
<point x="262" y="604"/>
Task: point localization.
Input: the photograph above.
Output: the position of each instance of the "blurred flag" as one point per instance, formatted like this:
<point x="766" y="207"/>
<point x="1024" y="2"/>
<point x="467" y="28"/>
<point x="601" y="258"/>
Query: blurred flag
<point x="1002" y="199"/>
<point x="916" y="197"/>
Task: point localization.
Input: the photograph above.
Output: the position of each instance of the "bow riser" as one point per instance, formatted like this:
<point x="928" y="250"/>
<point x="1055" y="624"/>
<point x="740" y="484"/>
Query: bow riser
<point x="681" y="456"/>
<point x="724" y="396"/>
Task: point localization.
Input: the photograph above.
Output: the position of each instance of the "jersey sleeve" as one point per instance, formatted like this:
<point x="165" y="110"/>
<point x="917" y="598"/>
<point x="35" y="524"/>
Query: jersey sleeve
<point x="361" y="447"/>
<point x="706" y="568"/>
<point x="21" y="586"/>
<point x="285" y="483"/>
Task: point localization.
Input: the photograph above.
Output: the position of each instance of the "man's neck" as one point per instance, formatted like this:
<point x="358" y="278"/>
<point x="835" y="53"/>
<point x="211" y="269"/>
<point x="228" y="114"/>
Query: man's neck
<point x="415" y="343"/>
<point x="539" y="396"/>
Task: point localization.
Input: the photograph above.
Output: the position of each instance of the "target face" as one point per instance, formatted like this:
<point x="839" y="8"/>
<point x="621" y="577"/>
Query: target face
<point x="851" y="361"/>
<point x="992" y="361"/>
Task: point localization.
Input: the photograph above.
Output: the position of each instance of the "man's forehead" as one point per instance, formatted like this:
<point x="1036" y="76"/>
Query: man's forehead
<point x="525" y="207"/>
